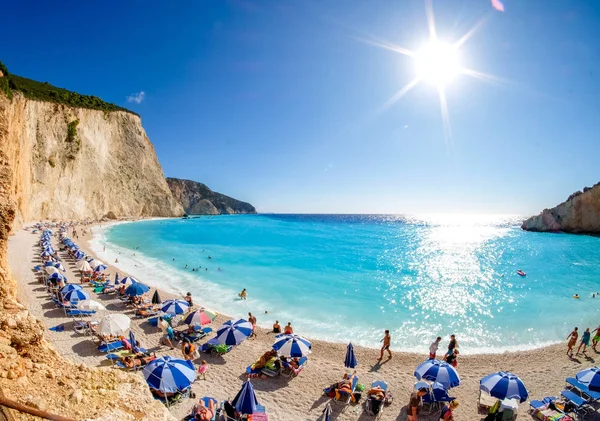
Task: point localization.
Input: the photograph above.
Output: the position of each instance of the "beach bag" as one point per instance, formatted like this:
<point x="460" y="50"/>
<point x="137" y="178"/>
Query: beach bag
<point x="360" y="387"/>
<point x="356" y="397"/>
<point x="389" y="398"/>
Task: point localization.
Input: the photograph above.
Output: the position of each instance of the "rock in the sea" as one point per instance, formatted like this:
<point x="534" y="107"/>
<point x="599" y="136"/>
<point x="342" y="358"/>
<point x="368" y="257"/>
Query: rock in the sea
<point x="579" y="214"/>
<point x="197" y="199"/>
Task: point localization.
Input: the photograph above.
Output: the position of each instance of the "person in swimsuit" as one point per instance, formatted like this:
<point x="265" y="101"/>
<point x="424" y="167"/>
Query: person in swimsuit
<point x="387" y="339"/>
<point x="585" y="340"/>
<point x="288" y="329"/>
<point x="243" y="294"/>
<point x="203" y="413"/>
<point x="252" y="320"/>
<point x="572" y="341"/>
<point x="376" y="393"/>
<point x="596" y="337"/>
<point x="446" y="414"/>
<point x="276" y="327"/>
<point x="346" y="384"/>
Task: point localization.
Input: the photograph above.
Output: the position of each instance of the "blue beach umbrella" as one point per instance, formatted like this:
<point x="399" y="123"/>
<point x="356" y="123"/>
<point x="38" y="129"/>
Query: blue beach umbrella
<point x="70" y="287"/>
<point x="137" y="288"/>
<point x="233" y="333"/>
<point x="350" y="361"/>
<point x="132" y="339"/>
<point x="45" y="254"/>
<point x="100" y="268"/>
<point x="116" y="278"/>
<point x="59" y="266"/>
<point x="174" y="306"/>
<point x="57" y="277"/>
<point x="504" y="385"/>
<point x="438" y="371"/>
<point x="292" y="346"/>
<point x="76" y="295"/>
<point x="245" y="401"/>
<point x="590" y="377"/>
<point x="79" y="254"/>
<point x="169" y="375"/>
<point x="128" y="280"/>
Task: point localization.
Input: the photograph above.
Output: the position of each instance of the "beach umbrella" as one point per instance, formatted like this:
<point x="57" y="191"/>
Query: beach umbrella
<point x="90" y="305"/>
<point x="245" y="401"/>
<point x="128" y="280"/>
<point x="49" y="263"/>
<point x="504" y="385"/>
<point x="93" y="263"/>
<point x="45" y="253"/>
<point x="75" y="295"/>
<point x="57" y="277"/>
<point x="79" y="255"/>
<point x="156" y="298"/>
<point x="200" y="317"/>
<point x="83" y="266"/>
<point x="113" y="324"/>
<point x="100" y="268"/>
<point x="70" y="287"/>
<point x="89" y="258"/>
<point x="116" y="278"/>
<point x="59" y="266"/>
<point x="292" y="346"/>
<point x="438" y="371"/>
<point x="51" y="269"/>
<point x="350" y="361"/>
<point x="233" y="333"/>
<point x="590" y="377"/>
<point x="174" y="306"/>
<point x="137" y="288"/>
<point x="326" y="414"/>
<point x="132" y="340"/>
<point x="169" y="375"/>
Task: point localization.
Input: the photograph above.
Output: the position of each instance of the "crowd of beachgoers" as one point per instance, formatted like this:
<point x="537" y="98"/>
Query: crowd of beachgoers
<point x="181" y="348"/>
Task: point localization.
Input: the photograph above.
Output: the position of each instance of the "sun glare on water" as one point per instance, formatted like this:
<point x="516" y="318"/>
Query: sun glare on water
<point x="437" y="63"/>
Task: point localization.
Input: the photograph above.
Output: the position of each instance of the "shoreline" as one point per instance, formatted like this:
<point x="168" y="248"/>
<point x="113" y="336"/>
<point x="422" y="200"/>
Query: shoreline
<point x="543" y="370"/>
<point x="95" y="242"/>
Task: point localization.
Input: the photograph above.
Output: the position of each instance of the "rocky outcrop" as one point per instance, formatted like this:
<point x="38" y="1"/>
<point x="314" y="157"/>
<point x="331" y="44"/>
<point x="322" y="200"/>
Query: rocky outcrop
<point x="198" y="199"/>
<point x="75" y="163"/>
<point x="579" y="214"/>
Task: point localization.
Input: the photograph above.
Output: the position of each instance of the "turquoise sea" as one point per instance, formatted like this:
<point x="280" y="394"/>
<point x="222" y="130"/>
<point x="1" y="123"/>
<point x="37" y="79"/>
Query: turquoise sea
<point x="348" y="277"/>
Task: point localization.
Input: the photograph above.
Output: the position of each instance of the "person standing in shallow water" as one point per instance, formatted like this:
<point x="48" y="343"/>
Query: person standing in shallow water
<point x="572" y="341"/>
<point x="585" y="340"/>
<point x="387" y="340"/>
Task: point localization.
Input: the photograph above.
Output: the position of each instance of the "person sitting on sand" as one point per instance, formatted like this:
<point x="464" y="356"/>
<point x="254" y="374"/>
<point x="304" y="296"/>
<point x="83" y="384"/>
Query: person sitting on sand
<point x="451" y="358"/>
<point x="585" y="341"/>
<point x="203" y="413"/>
<point x="188" y="299"/>
<point x="276" y="327"/>
<point x="572" y="337"/>
<point x="243" y="294"/>
<point x="265" y="359"/>
<point x="446" y="414"/>
<point x="288" y="329"/>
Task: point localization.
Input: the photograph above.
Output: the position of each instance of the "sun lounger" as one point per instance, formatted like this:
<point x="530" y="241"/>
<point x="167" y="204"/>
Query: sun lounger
<point x="289" y="370"/>
<point x="211" y="347"/>
<point x="207" y="400"/>
<point x="436" y="398"/>
<point x="145" y="313"/>
<point x="345" y="398"/>
<point x="259" y="415"/>
<point x="582" y="390"/>
<point x="374" y="407"/>
<point x="260" y="372"/>
<point x="193" y="337"/>
<point x="580" y="405"/>
<point x="109" y="347"/>
<point x="80" y="313"/>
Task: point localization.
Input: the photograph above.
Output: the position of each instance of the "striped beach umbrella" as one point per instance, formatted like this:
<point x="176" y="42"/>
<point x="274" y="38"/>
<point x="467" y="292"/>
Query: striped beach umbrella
<point x="70" y="287"/>
<point x="59" y="266"/>
<point x="57" y="277"/>
<point x="113" y="324"/>
<point x="350" y="360"/>
<point x="200" y="317"/>
<point x="128" y="280"/>
<point x="79" y="254"/>
<point x="292" y="346"/>
<point x="94" y="262"/>
<point x="438" y="371"/>
<point x="51" y="269"/>
<point x="169" y="375"/>
<point x="245" y="401"/>
<point x="137" y="288"/>
<point x="45" y="253"/>
<point x="100" y="268"/>
<point x="75" y="295"/>
<point x="590" y="377"/>
<point x="504" y="385"/>
<point x="326" y="414"/>
<point x="233" y="333"/>
<point x="175" y="306"/>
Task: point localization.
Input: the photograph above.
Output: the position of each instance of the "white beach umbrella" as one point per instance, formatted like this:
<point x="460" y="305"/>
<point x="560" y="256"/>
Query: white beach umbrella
<point x="51" y="269"/>
<point x="90" y="305"/>
<point x="83" y="266"/>
<point x="114" y="324"/>
<point x="94" y="263"/>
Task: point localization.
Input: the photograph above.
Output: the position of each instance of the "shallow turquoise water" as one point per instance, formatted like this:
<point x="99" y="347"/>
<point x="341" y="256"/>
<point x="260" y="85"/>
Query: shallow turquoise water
<point x="341" y="277"/>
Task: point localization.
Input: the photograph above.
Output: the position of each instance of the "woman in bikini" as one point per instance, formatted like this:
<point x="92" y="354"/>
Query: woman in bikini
<point x="572" y="341"/>
<point x="202" y="413"/>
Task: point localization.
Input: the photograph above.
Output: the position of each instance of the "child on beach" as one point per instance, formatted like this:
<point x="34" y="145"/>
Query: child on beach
<point x="572" y="341"/>
<point x="387" y="339"/>
<point x="203" y="369"/>
<point x="585" y="340"/>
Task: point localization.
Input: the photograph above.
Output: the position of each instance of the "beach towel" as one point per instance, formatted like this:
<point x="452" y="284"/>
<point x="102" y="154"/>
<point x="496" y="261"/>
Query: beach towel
<point x="58" y="328"/>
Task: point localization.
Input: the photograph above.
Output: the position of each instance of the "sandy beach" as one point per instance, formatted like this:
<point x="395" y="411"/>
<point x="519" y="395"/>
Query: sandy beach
<point x="543" y="370"/>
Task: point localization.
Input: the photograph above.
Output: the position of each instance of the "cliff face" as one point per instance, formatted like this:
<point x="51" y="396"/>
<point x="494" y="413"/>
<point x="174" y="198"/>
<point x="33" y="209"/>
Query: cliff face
<point x="73" y="163"/>
<point x="198" y="199"/>
<point x="579" y="214"/>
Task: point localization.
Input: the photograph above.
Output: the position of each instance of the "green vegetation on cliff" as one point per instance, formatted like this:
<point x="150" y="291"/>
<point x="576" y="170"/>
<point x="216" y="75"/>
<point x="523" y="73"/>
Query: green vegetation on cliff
<point x="43" y="91"/>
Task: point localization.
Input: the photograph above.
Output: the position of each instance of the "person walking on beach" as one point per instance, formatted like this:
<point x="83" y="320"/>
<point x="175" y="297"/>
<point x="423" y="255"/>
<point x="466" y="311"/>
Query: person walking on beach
<point x="572" y="341"/>
<point x="415" y="403"/>
<point x="434" y="347"/>
<point x="452" y="344"/>
<point x="585" y="340"/>
<point x="252" y="320"/>
<point x="596" y="337"/>
<point x="387" y="339"/>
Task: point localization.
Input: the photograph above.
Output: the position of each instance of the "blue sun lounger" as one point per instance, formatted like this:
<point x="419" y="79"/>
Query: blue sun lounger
<point x="112" y="346"/>
<point x="581" y="389"/>
<point x="344" y="398"/>
<point x="374" y="406"/>
<point x="80" y="313"/>
<point x="209" y="347"/>
<point x="206" y="400"/>
<point x="580" y="404"/>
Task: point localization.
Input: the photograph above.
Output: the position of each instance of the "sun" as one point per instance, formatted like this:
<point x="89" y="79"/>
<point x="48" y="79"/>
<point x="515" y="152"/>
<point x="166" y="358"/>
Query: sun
<point x="437" y="63"/>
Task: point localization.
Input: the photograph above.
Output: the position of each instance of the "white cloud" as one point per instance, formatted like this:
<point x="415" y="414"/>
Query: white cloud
<point x="137" y="98"/>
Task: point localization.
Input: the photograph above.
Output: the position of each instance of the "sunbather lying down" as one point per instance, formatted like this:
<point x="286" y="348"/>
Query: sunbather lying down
<point x="137" y="361"/>
<point x="145" y="312"/>
<point x="202" y="413"/>
<point x="376" y="393"/>
<point x="346" y="384"/>
<point x="268" y="359"/>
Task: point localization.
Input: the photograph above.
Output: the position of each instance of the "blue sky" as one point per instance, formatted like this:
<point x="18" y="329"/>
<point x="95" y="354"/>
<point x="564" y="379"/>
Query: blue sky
<point x="280" y="103"/>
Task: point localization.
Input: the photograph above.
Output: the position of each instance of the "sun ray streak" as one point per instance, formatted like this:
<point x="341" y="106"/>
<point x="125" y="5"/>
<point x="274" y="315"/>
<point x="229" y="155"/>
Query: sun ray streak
<point x="430" y="20"/>
<point x="403" y="91"/>
<point x="445" y="115"/>
<point x="486" y="77"/>
<point x="470" y="33"/>
<point x="388" y="46"/>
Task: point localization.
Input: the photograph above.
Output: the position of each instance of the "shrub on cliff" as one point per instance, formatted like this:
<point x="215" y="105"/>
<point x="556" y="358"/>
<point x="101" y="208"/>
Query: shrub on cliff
<point x="4" y="81"/>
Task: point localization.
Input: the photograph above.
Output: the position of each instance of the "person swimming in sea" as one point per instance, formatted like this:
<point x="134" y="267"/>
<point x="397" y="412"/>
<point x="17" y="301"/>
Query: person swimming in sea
<point x="243" y="294"/>
<point x="209" y="257"/>
<point x="186" y="266"/>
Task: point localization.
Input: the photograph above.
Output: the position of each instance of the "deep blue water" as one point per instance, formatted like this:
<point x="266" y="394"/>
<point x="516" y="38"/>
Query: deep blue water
<point x="349" y="277"/>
